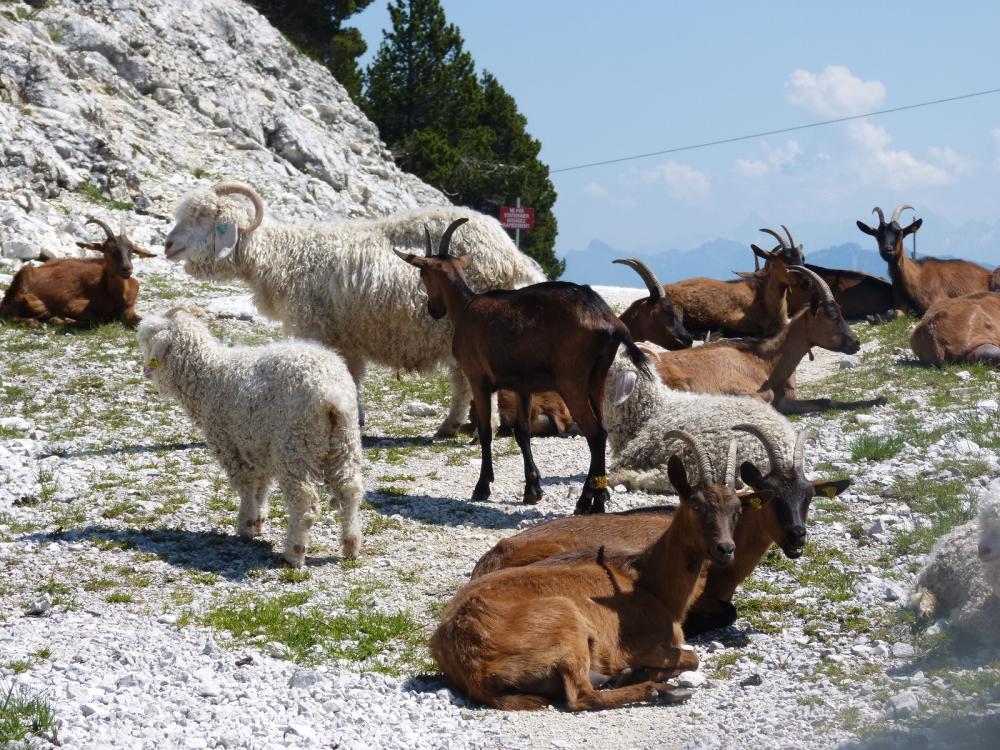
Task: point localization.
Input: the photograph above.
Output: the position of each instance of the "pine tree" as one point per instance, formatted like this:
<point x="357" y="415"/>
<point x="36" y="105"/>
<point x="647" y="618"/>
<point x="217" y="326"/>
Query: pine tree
<point x="461" y="133"/>
<point x="316" y="27"/>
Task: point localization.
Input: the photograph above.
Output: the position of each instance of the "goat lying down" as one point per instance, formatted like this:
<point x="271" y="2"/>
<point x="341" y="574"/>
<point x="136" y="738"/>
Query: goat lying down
<point x="962" y="329"/>
<point x="284" y="411"/>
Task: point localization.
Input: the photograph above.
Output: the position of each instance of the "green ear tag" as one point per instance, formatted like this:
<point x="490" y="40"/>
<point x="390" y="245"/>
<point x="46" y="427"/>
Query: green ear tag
<point x="755" y="502"/>
<point x="831" y="491"/>
<point x="154" y="363"/>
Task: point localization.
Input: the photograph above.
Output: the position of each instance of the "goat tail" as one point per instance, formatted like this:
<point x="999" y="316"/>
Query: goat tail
<point x="636" y="355"/>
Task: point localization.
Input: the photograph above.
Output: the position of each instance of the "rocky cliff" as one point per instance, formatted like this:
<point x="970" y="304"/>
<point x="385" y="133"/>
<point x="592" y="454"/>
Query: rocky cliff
<point x="119" y="106"/>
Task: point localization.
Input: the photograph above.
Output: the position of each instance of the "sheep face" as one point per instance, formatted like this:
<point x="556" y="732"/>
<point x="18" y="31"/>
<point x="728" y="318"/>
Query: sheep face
<point x="207" y="228"/>
<point x="155" y="341"/>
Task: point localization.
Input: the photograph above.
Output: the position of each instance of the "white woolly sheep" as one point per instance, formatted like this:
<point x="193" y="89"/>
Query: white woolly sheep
<point x="340" y="283"/>
<point x="640" y="411"/>
<point x="961" y="580"/>
<point x="284" y="411"/>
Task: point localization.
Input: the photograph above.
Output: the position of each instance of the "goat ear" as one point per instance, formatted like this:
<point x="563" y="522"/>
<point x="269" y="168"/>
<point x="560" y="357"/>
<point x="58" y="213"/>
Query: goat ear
<point x="136" y="250"/>
<point x="831" y="488"/>
<point x="622" y="386"/>
<point x="760" y="253"/>
<point x="913" y="227"/>
<point x="226" y="237"/>
<point x="677" y="475"/>
<point x="750" y="474"/>
<point x="866" y="229"/>
<point x="756" y="499"/>
<point x="91" y="246"/>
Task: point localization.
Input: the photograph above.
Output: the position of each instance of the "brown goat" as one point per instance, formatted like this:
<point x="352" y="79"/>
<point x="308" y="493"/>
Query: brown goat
<point x="524" y="638"/>
<point x="553" y="336"/>
<point x="918" y="284"/>
<point x="963" y="329"/>
<point x="654" y="318"/>
<point x="779" y="521"/>
<point x="763" y="368"/>
<point x="860" y="295"/>
<point x="753" y="304"/>
<point x="75" y="291"/>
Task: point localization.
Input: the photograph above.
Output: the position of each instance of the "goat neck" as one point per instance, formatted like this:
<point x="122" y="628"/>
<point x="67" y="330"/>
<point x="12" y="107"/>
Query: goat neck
<point x="670" y="569"/>
<point x="753" y="535"/>
<point x="783" y="351"/>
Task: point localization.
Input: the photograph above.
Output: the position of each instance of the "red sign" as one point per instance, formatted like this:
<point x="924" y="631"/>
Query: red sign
<point x="517" y="217"/>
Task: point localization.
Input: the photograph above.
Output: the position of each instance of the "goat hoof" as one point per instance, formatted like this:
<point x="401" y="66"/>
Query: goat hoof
<point x="446" y="431"/>
<point x="480" y="495"/>
<point x="666" y="694"/>
<point x="532" y="497"/>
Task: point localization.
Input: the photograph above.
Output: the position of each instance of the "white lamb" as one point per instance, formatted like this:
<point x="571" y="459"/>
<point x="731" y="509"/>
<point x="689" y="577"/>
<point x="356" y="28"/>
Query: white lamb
<point x="340" y="283"/>
<point x="284" y="411"/>
<point x="638" y="412"/>
<point x="961" y="580"/>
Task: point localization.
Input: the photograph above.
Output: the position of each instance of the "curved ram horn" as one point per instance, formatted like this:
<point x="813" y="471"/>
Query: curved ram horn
<point x="429" y="251"/>
<point x="881" y="216"/>
<point x="799" y="454"/>
<point x="646" y="273"/>
<point x="773" y="454"/>
<point x="791" y="241"/>
<point x="240" y="188"/>
<point x="730" y="476"/>
<point x="899" y="209"/>
<point x="816" y="281"/>
<point x="102" y="225"/>
<point x="778" y="237"/>
<point x="446" y="237"/>
<point x="704" y="467"/>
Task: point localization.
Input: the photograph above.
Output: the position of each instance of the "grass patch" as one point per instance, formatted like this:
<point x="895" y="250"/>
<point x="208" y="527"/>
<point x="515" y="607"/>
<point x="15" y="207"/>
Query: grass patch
<point x="119" y="597"/>
<point x="292" y="575"/>
<point x="869" y="447"/>
<point x="377" y="524"/>
<point x="25" y="719"/>
<point x="385" y="642"/>
<point x="92" y="193"/>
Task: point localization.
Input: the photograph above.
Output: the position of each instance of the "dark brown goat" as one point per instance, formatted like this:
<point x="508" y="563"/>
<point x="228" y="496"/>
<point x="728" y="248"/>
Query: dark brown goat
<point x="763" y="368"/>
<point x="654" y="318"/>
<point x="963" y="329"/>
<point x="918" y="284"/>
<point x="774" y="514"/>
<point x="860" y="295"/>
<point x="752" y="305"/>
<point x="525" y="638"/>
<point x="553" y="336"/>
<point x="75" y="291"/>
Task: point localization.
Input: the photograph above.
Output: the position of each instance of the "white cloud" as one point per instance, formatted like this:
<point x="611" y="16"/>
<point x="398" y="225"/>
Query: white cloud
<point x="897" y="169"/>
<point x="949" y="158"/>
<point x="595" y="190"/>
<point x="836" y="92"/>
<point x="775" y="159"/>
<point x="682" y="180"/>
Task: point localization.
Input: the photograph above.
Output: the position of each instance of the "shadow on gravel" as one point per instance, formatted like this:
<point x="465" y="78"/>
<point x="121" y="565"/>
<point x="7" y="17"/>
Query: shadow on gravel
<point x="384" y="441"/>
<point x="950" y="733"/>
<point x="155" y="448"/>
<point x="446" y="511"/>
<point x="425" y="683"/>
<point x="225" y="555"/>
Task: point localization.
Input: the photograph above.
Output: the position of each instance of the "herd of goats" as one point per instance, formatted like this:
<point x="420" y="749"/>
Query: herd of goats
<point x="590" y="611"/>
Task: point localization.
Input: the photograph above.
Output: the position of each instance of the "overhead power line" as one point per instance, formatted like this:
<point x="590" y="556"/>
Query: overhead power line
<point x="792" y="129"/>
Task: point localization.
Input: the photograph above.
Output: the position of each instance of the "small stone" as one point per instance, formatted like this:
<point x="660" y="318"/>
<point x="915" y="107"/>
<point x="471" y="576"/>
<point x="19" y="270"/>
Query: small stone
<point x="304" y="678"/>
<point x="691" y="679"/>
<point x="87" y="709"/>
<point x="715" y="646"/>
<point x="277" y="650"/>
<point x="752" y="681"/>
<point x="848" y="362"/>
<point x="866" y="419"/>
<point x="40" y="607"/>
<point x="903" y="704"/>
<point x="902" y="650"/>
<point x="419" y="409"/>
<point x="963" y="375"/>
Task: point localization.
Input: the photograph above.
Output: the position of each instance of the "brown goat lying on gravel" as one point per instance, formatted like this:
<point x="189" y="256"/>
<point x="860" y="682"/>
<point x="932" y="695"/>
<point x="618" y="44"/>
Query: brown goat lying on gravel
<point x="764" y="368"/>
<point x="963" y="329"/>
<point x="524" y="638"/>
<point x="74" y="291"/>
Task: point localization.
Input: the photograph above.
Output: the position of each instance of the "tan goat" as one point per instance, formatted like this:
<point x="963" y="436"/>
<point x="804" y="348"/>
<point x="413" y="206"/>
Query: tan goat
<point x="963" y="329"/>
<point x="524" y="638"/>
<point x="764" y="368"/>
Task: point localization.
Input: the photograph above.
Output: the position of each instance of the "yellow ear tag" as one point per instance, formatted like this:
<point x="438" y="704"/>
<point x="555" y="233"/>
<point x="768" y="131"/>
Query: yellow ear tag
<point x="755" y="502"/>
<point x="154" y="363"/>
<point x="831" y="491"/>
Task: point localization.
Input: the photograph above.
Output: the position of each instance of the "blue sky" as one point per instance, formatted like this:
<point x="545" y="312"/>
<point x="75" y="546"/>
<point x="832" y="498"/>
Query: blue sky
<point x="604" y="80"/>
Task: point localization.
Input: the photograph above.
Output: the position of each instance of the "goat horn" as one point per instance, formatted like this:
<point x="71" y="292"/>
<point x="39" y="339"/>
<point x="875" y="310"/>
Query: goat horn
<point x="730" y="478"/>
<point x="791" y="241"/>
<point x="704" y="467"/>
<point x="881" y="216"/>
<point x="773" y="454"/>
<point x="102" y="225"/>
<point x="446" y="237"/>
<point x="430" y="248"/>
<point x="799" y="454"/>
<point x="816" y="281"/>
<point x="652" y="283"/>
<point x="899" y="209"/>
<point x="778" y="237"/>
<point x="239" y="188"/>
